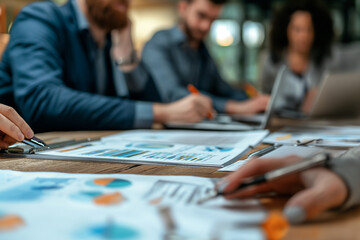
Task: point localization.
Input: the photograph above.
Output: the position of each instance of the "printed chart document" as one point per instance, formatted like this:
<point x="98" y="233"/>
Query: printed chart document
<point x="193" y="148"/>
<point x="61" y="206"/>
<point x="284" y="151"/>
<point x="326" y="136"/>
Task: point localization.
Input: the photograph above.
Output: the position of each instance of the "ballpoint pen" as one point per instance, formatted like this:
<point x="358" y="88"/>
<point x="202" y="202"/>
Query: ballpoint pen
<point x="316" y="161"/>
<point x="35" y="142"/>
<point x="268" y="149"/>
<point x="264" y="151"/>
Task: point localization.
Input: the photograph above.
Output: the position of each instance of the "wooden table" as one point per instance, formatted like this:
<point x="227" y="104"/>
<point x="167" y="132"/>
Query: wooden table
<point x="329" y="226"/>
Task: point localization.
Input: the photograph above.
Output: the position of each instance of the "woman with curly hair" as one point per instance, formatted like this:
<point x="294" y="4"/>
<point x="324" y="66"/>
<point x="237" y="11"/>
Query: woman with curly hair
<point x="301" y="38"/>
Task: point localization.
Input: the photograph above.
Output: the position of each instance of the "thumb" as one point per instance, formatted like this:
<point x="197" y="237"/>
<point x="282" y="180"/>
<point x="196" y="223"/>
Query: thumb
<point x="305" y="205"/>
<point x="325" y="192"/>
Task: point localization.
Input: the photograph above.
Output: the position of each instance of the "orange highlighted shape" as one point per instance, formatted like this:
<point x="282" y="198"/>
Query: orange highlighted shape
<point x="103" y="181"/>
<point x="72" y="149"/>
<point x="155" y="201"/>
<point x="284" y="137"/>
<point x="109" y="199"/>
<point x="275" y="226"/>
<point x="10" y="222"/>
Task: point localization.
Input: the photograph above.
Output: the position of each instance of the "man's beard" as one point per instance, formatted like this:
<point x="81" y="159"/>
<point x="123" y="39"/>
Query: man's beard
<point x="105" y="16"/>
<point x="190" y="33"/>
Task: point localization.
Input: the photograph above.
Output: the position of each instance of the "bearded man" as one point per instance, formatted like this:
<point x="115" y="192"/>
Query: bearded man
<point x="66" y="68"/>
<point x="178" y="57"/>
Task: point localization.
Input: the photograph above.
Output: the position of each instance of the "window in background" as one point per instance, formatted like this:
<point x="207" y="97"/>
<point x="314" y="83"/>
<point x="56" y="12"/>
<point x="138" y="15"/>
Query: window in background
<point x="225" y="33"/>
<point x="253" y="38"/>
<point x="253" y="34"/>
<point x="224" y="42"/>
<point x="149" y="18"/>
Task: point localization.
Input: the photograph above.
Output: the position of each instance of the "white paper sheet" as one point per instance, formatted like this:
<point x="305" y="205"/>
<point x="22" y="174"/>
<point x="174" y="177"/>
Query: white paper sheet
<point x="331" y="136"/>
<point x="234" y="166"/>
<point x="194" y="148"/>
<point x="286" y="151"/>
<point x="115" y="206"/>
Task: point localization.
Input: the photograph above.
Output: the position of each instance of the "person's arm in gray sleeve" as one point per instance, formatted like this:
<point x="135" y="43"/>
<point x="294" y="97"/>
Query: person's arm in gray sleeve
<point x="348" y="168"/>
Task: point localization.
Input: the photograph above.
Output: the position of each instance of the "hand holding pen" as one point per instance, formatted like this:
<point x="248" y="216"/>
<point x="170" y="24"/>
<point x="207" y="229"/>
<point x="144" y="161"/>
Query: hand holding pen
<point x="193" y="90"/>
<point x="314" y="188"/>
<point x="12" y="127"/>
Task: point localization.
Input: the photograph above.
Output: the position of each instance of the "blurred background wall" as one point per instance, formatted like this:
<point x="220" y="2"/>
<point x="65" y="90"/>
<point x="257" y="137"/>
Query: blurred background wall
<point x="237" y="41"/>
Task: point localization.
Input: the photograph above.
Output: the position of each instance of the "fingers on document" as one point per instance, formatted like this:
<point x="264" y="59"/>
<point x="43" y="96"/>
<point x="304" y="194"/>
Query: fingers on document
<point x="13" y="125"/>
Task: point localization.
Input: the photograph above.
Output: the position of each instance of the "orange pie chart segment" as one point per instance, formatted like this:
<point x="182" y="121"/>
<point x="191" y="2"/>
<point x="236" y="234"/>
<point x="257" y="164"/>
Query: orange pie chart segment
<point x="10" y="222"/>
<point x="109" y="199"/>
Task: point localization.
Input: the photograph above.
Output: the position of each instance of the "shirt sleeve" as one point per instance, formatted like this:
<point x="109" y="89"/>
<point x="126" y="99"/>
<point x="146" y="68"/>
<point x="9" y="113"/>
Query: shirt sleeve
<point x="348" y="168"/>
<point x="144" y="116"/>
<point x="219" y="104"/>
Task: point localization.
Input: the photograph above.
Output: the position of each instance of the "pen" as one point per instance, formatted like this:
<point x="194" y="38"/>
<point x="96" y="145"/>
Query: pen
<point x="316" y="161"/>
<point x="264" y="151"/>
<point x="250" y="90"/>
<point x="35" y="142"/>
<point x="194" y="90"/>
<point x="268" y="149"/>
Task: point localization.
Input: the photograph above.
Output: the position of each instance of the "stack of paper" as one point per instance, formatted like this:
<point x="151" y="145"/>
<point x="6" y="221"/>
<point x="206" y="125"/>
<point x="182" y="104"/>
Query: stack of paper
<point x="88" y="206"/>
<point x="329" y="136"/>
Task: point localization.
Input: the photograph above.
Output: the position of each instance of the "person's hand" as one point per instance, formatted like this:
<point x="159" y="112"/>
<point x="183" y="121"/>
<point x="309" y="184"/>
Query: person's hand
<point x="193" y="108"/>
<point x="122" y="45"/>
<point x="314" y="190"/>
<point x="309" y="100"/>
<point x="12" y="127"/>
<point x="251" y="106"/>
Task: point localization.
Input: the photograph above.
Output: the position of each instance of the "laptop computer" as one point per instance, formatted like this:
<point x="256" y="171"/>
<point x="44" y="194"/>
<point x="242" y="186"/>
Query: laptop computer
<point x="224" y="122"/>
<point x="337" y="96"/>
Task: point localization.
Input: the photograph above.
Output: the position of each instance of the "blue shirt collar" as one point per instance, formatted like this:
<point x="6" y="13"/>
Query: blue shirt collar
<point x="82" y="22"/>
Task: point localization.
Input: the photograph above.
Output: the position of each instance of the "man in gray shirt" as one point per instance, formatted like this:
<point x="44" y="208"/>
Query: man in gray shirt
<point x="178" y="57"/>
